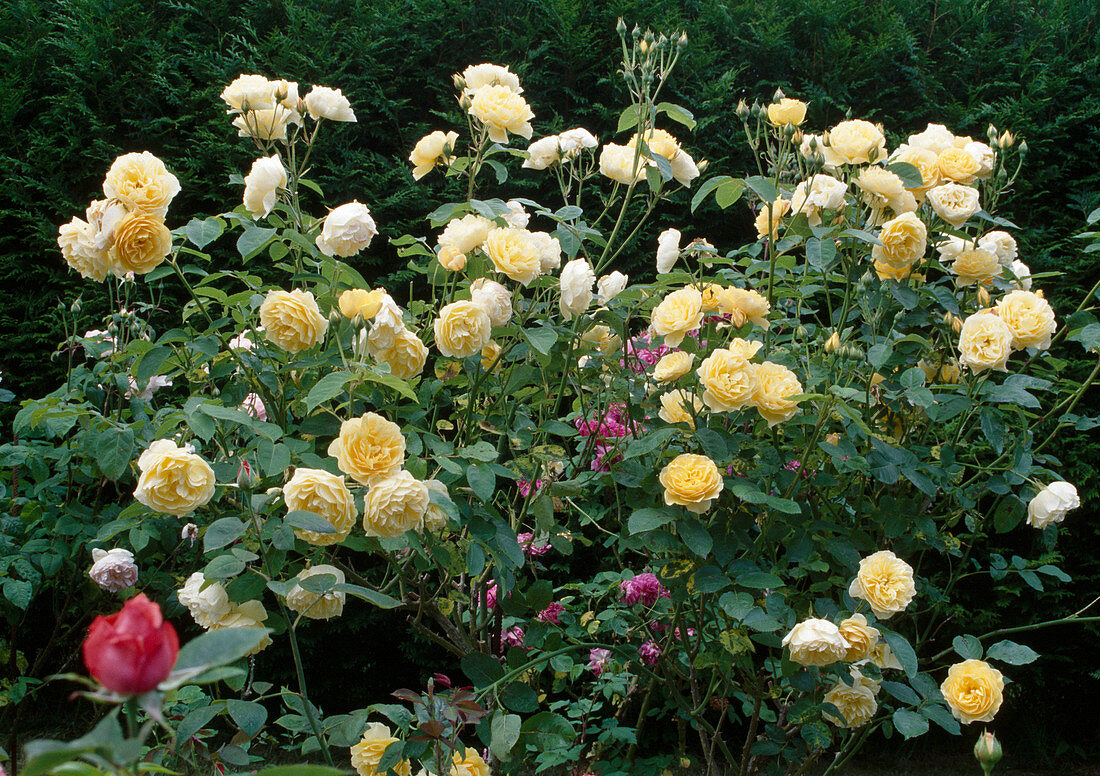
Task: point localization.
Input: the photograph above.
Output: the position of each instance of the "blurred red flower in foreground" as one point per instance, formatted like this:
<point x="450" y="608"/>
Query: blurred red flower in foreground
<point x="132" y="650"/>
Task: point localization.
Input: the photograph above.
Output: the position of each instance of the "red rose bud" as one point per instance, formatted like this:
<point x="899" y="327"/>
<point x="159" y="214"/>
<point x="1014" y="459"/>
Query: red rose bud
<point x="442" y="680"/>
<point x="246" y="478"/>
<point x="133" y="650"/>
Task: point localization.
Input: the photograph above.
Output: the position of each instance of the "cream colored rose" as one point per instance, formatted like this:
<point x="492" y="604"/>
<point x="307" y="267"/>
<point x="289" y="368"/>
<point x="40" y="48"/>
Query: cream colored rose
<point x="774" y="385"/>
<point x="658" y="142"/>
<point x="605" y="340"/>
<point x="207" y="604"/>
<point x="576" y="283"/>
<point x="856" y="702"/>
<point x="814" y="146"/>
<point x="78" y="246"/>
<point x="684" y="168"/>
<point x="904" y="240"/>
<point x="1030" y="318"/>
<point x="406" y="356"/>
<point x="459" y="237"/>
<point x="821" y="192"/>
<point x="1022" y="273"/>
<point x="672" y="366"/>
<point x="573" y="141"/>
<point x="957" y="165"/>
<point x="954" y="203"/>
<point x="173" y="480"/>
<point x="292" y="321"/>
<point x="769" y="218"/>
<point x="882" y="189"/>
<point x="680" y="312"/>
<point x="262" y="184"/>
<point x="691" y="481"/>
<point x="494" y="298"/>
<point x="360" y="302"/>
<point x="266" y="124"/>
<point x="141" y="182"/>
<point x="142" y="242"/>
<point x="347" y="230"/>
<point x="103" y="217"/>
<point x="394" y="505"/>
<point x="787" y="112"/>
<point x="983" y="156"/>
<point x="610" y="286"/>
<point x="728" y="381"/>
<point x="884" y="581"/>
<point x="432" y="149"/>
<point x="884" y="658"/>
<point x="468" y="763"/>
<point x="675" y="407"/>
<point x="366" y="755"/>
<point x="744" y="304"/>
<point x="622" y="164"/>
<point x="668" y="250"/>
<point x="974" y="691"/>
<point x="548" y="249"/>
<point x="815" y="642"/>
<point x="490" y="355"/>
<point x="501" y="111"/>
<point x="435" y="516"/>
<point x="317" y="606"/>
<point x="249" y="92"/>
<point x="462" y="329"/>
<point x="985" y="342"/>
<point x="1051" y="504"/>
<point x="936" y="138"/>
<point x="516" y="215"/>
<point x="1002" y="244"/>
<point x="975" y="265"/>
<point x="514" y="253"/>
<point x="476" y="76"/>
<point x="325" y="494"/>
<point x="861" y="637"/>
<point x="542" y="153"/>
<point x="250" y="614"/>
<point x="857" y="142"/>
<point x="369" y="447"/>
<point x="927" y="164"/>
<point x="386" y="327"/>
<point x="325" y="103"/>
<point x="113" y="570"/>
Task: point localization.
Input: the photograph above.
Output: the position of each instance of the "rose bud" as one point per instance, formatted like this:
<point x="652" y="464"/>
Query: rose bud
<point x="133" y="650"/>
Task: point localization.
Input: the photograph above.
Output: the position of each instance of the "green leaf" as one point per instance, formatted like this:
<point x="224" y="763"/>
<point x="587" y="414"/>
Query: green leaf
<point x="628" y="119"/>
<point x="729" y="192"/>
<point x="309" y="521"/>
<point x="542" y="338"/>
<point x="19" y="592"/>
<point x="114" y="449"/>
<point x="677" y="113"/>
<point x="940" y="714"/>
<point x="909" y="174"/>
<point x="211" y="650"/>
<point x="967" y="647"/>
<point x="381" y="600"/>
<point x="763" y="188"/>
<point x="816" y="735"/>
<point x="519" y="697"/>
<point x="195" y="721"/>
<point x="325" y="388"/>
<point x="902" y="651"/>
<point x="909" y="723"/>
<point x="203" y="232"/>
<point x="648" y="519"/>
<point x="547" y="731"/>
<point x="758" y="580"/>
<point x="253" y="240"/>
<point x="504" y="732"/>
<point x="249" y="716"/>
<point x="223" y="567"/>
<point x="695" y="536"/>
<point x="1012" y="653"/>
<point x="483" y="482"/>
<point x="481" y="669"/>
<point x="706" y="188"/>
<point x="1089" y="336"/>
<point x="648" y="443"/>
<point x="222" y="532"/>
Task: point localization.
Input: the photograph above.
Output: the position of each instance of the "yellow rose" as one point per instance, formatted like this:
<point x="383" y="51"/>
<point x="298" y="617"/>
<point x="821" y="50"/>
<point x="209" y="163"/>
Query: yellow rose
<point x="904" y="240"/>
<point x="774" y="384"/>
<point x="927" y="164"/>
<point x="954" y="203"/>
<point x="435" y="517"/>
<point x="450" y="258"/>
<point x="395" y="505"/>
<point x="769" y="219"/>
<point x="462" y="329"/>
<point x="957" y="165"/>
<point x="674" y="407"/>
<point x="975" y="265"/>
<point x="174" y="480"/>
<point x="368" y="448"/>
<point x="605" y="340"/>
<point x="815" y="642"/>
<point x="406" y="356"/>
<point x="489" y="355"/>
<point x="857" y="142"/>
<point x="250" y="614"/>
<point x="678" y="313"/>
<point x="265" y="123"/>
<point x="430" y="150"/>
<point x="672" y="366"/>
<point x="985" y="342"/>
<point x="622" y="164"/>
<point x="476" y="76"/>
<point x="884" y="658"/>
<point x="887" y="271"/>
<point x="861" y="638"/>
<point x="141" y="182"/>
<point x="325" y="494"/>
<point x="292" y="321"/>
<point x="974" y="691"/>
<point x="659" y="142"/>
<point x="744" y="304"/>
<point x="726" y="376"/>
<point x="501" y="110"/>
<point x="78" y="245"/>
<point x="325" y="103"/>
<point x="856" y="703"/>
<point x="691" y="481"/>
<point x="317" y="606"/>
<point x="1030" y="318"/>
<point x="514" y="253"/>
<point x="142" y="242"/>
<point x="883" y="189"/>
<point x="361" y="302"/>
<point x="468" y="764"/>
<point x="787" y="111"/>
<point x="884" y="581"/>
<point x="366" y="755"/>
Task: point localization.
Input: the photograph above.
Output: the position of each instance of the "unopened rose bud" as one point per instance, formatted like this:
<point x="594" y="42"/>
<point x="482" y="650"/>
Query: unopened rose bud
<point x="621" y="27"/>
<point x="1006" y="140"/>
<point x="983" y="296"/>
<point x="644" y="46"/>
<point x="76" y="305"/>
<point x="190" y="533"/>
<point x="1023" y="148"/>
<point x="281" y="91"/>
<point x="636" y="33"/>
<point x="742" y="109"/>
<point x="459" y="81"/>
<point x="702" y="165"/>
<point x="954" y="321"/>
<point x="442" y="680"/>
<point x="832" y="343"/>
<point x="988" y="751"/>
<point x="683" y="41"/>
<point x="465" y="101"/>
<point x="778" y="95"/>
<point x="246" y="477"/>
<point x="991" y="133"/>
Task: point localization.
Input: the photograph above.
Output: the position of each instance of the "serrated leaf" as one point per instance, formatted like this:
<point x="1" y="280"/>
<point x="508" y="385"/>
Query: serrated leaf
<point x="202" y="232"/>
<point x="325" y="388"/>
<point x="909" y="723"/>
<point x="1012" y="653"/>
<point x="222" y="532"/>
<point x="967" y="647"/>
<point x="253" y="240"/>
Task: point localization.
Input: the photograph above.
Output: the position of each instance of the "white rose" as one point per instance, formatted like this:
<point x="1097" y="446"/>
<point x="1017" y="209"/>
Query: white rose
<point x="249" y="92"/>
<point x="821" y="192"/>
<point x="610" y="286"/>
<point x="572" y="141"/>
<point x="325" y="103"/>
<point x="262" y="183"/>
<point x="494" y="298"/>
<point x="983" y="155"/>
<point x="542" y="153"/>
<point x="668" y="250"/>
<point x="267" y="124"/>
<point x="1051" y="504"/>
<point x="113" y="570"/>
<point x="549" y="250"/>
<point x="348" y="229"/>
<point x="1002" y="244"/>
<point x="936" y="138"/>
<point x="954" y="203"/>
<point x="486" y="74"/>
<point x="156" y="382"/>
<point x="516" y="215"/>
<point x="103" y="217"/>
<point x="207" y="605"/>
<point x="1022" y="273"/>
<point x="816" y="642"/>
<point x="622" y="164"/>
<point x="386" y="326"/>
<point x="684" y="168"/>
<point x="577" y="278"/>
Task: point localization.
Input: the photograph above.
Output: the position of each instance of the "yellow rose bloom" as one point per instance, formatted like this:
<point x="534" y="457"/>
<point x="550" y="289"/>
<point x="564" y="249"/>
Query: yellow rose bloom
<point x="430" y="150"/>
<point x="659" y="142"/>
<point x="174" y="480"/>
<point x="744" y="304"/>
<point x="728" y="381"/>
<point x="884" y="581"/>
<point x="904" y="240"/>
<point x="366" y="755"/>
<point x="672" y="366"/>
<point x="435" y="517"/>
<point x="856" y="703"/>
<point x="250" y="614"/>
<point x="861" y="638"/>
<point x="502" y="111"/>
<point x="515" y="253"/>
<point x="769" y="218"/>
<point x="142" y="242"/>
<point x="857" y="142"/>
<point x="141" y="182"/>
<point x="882" y="189"/>
<point x="954" y="203"/>
<point x="957" y="165"/>
<point x="887" y="271"/>
<point x="406" y="356"/>
<point x="927" y="164"/>
<point x="361" y="302"/>
<point x="691" y="481"/>
<point x="368" y="448"/>
<point x="985" y="342"/>
<point x="787" y="112"/>
<point x="815" y="642"/>
<point x="325" y="494"/>
<point x="292" y="320"/>
<point x="81" y="251"/>
<point x="774" y="383"/>
<point x="678" y="313"/>
<point x="974" y="691"/>
<point x="489" y="355"/>
<point x="975" y="265"/>
<point x="395" y="505"/>
<point x="468" y="763"/>
<point x="710" y="292"/>
<point x="1030" y="318"/>
<point x="462" y="329"/>
<point x="674" y="407"/>
<point x="317" y="606"/>
<point x="622" y="164"/>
